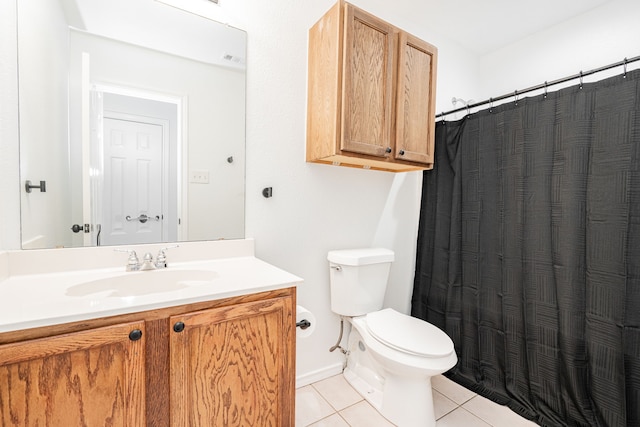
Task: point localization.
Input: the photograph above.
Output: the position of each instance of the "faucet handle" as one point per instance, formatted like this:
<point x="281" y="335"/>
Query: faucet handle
<point x="161" y="258"/>
<point x="133" y="264"/>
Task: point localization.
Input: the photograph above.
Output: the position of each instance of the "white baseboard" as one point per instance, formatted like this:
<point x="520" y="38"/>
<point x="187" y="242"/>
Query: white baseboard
<point x="320" y="374"/>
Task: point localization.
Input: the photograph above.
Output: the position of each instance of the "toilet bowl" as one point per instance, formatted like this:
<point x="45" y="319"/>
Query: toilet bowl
<point x="391" y="359"/>
<point x="391" y="356"/>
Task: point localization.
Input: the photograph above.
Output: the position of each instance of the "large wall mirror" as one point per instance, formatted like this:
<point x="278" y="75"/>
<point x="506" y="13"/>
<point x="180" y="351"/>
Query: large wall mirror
<point x="132" y="123"/>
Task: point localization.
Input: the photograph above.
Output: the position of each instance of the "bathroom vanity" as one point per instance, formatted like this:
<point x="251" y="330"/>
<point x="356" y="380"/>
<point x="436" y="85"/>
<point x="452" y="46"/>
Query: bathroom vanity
<point x="90" y="347"/>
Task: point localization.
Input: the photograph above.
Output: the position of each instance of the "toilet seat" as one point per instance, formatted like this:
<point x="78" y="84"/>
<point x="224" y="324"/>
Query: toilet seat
<point x="408" y="334"/>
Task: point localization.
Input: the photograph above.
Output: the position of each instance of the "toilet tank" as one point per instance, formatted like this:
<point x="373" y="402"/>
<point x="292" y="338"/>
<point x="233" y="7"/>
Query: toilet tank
<point x="358" y="279"/>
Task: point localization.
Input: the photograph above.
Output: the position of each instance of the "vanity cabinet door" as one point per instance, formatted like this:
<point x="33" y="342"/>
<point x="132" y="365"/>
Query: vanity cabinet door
<point x="89" y="378"/>
<point x="234" y="365"/>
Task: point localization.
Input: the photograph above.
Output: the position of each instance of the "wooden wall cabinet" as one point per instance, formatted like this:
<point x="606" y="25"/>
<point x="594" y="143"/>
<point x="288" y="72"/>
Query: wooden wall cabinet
<point x="227" y="362"/>
<point x="371" y="93"/>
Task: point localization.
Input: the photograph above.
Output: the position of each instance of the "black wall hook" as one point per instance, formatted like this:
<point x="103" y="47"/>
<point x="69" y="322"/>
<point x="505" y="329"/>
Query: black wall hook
<point x="28" y="186"/>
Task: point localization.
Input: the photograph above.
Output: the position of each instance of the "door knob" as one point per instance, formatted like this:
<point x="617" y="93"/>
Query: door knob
<point x="76" y="228"/>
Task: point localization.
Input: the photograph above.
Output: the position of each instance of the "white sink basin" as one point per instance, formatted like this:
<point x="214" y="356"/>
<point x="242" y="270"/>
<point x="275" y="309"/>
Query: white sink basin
<point x="137" y="283"/>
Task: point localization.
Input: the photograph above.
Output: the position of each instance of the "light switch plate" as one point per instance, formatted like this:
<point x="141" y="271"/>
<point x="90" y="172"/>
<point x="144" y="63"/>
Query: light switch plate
<point x="199" y="176"/>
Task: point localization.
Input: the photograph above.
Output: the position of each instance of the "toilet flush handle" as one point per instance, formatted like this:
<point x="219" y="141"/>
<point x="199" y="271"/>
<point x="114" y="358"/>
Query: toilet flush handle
<point x="336" y="267"/>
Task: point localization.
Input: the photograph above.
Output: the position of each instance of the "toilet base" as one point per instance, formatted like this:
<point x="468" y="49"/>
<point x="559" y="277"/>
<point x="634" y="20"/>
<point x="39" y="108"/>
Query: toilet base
<point x="404" y="406"/>
<point x="404" y="401"/>
<point x="370" y="393"/>
<point x="408" y="402"/>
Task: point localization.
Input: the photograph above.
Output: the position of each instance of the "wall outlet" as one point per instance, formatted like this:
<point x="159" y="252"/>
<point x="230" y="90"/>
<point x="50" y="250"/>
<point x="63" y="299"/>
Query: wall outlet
<point x="199" y="176"/>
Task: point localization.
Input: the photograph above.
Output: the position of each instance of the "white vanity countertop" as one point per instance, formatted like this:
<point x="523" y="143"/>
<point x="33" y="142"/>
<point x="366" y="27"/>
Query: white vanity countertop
<point x="43" y="299"/>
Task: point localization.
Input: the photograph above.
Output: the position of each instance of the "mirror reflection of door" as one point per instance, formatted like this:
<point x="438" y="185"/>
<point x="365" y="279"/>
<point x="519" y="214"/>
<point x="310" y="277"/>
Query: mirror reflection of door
<point x="133" y="190"/>
<point x="135" y="183"/>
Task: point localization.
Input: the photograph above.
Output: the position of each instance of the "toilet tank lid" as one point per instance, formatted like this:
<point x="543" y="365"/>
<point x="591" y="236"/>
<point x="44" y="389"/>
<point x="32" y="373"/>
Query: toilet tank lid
<point x="361" y="256"/>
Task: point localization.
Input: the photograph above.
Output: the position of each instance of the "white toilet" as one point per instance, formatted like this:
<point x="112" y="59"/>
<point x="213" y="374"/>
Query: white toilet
<point x="391" y="356"/>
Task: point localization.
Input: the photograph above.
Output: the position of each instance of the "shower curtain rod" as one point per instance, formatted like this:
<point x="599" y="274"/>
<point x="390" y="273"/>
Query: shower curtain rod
<point x="544" y="85"/>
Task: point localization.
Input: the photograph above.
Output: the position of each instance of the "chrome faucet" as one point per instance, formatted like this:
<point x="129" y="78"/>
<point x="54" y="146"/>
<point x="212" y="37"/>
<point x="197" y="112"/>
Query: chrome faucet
<point x="133" y="263"/>
<point x="161" y="258"/>
<point x="147" y="262"/>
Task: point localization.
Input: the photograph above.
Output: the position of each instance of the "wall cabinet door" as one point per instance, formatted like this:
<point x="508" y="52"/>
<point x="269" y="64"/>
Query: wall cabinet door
<point x="89" y="378"/>
<point x="367" y="84"/>
<point x="232" y="366"/>
<point x="415" y="106"/>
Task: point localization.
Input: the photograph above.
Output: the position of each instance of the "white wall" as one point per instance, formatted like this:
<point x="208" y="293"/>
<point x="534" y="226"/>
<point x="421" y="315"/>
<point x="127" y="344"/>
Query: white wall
<point x="9" y="148"/>
<point x="602" y="36"/>
<point x="46" y="216"/>
<point x="317" y="208"/>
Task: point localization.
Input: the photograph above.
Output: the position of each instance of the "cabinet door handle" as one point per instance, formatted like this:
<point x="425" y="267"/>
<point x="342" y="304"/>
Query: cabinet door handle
<point x="135" y="335"/>
<point x="401" y="152"/>
<point x="388" y="150"/>
<point x="178" y="327"/>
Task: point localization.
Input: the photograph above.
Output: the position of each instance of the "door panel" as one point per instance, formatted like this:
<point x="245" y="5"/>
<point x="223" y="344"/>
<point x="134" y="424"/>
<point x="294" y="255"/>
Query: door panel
<point x="369" y="55"/>
<point x="416" y="100"/>
<point x="133" y="184"/>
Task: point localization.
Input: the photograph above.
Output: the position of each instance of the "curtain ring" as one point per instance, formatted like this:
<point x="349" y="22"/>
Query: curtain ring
<point x="443" y="118"/>
<point x="515" y="94"/>
<point x="491" y="105"/>
<point x="468" y="111"/>
<point x="545" y="89"/>
<point x="624" y="75"/>
<point x="580" y="79"/>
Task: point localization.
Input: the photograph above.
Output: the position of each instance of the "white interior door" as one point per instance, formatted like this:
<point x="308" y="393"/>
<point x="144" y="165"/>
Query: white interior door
<point x="133" y="183"/>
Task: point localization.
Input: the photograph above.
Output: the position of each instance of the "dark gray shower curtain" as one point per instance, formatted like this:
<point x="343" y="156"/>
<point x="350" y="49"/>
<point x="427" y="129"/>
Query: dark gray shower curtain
<point x="529" y="253"/>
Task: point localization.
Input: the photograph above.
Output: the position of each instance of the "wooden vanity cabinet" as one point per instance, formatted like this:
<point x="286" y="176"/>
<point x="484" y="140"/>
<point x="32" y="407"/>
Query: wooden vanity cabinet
<point x="228" y="362"/>
<point x="371" y="93"/>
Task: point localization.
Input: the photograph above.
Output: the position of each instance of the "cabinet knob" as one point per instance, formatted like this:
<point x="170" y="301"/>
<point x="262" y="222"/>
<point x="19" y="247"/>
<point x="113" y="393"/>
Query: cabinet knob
<point x="135" y="335"/>
<point x="388" y="150"/>
<point x="401" y="152"/>
<point x="178" y="327"/>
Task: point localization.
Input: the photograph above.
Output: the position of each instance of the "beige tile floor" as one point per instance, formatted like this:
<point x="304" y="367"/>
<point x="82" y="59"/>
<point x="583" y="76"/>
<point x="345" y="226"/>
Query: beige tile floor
<point x="334" y="403"/>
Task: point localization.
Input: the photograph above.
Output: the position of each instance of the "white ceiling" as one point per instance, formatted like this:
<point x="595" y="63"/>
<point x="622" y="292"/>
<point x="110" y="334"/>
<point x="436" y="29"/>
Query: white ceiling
<point x="483" y="26"/>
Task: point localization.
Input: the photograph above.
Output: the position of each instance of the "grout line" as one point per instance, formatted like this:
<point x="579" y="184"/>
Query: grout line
<point x="325" y="399"/>
<point x="469" y="399"/>
<point x="343" y="419"/>
<point x="447" y="413"/>
<point x="476" y="416"/>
